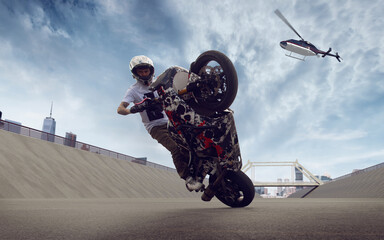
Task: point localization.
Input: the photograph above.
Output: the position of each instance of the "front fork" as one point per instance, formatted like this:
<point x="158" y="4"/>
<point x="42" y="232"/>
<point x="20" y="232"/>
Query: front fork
<point x="212" y="188"/>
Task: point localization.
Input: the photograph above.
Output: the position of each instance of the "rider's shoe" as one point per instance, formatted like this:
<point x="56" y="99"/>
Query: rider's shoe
<point x="192" y="184"/>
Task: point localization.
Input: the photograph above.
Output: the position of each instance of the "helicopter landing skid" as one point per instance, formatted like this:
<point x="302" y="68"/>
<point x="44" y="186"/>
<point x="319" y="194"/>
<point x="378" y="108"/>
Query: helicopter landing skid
<point x="290" y="55"/>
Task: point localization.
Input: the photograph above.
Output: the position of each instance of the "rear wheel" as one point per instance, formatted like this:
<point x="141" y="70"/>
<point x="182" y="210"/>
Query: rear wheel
<point x="219" y="87"/>
<point x="237" y="189"/>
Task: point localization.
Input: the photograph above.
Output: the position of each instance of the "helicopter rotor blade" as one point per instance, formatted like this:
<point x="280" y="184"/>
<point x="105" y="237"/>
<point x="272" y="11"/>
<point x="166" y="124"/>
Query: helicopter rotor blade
<point x="280" y="15"/>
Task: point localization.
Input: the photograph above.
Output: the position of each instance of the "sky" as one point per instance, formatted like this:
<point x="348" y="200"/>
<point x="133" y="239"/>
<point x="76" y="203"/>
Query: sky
<point x="325" y="114"/>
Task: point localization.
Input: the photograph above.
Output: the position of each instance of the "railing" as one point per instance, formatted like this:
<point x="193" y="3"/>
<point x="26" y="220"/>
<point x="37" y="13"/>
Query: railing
<point x="285" y="184"/>
<point x="34" y="133"/>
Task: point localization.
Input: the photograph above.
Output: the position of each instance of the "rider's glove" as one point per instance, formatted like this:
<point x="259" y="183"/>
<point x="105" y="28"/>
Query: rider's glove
<point x="138" y="107"/>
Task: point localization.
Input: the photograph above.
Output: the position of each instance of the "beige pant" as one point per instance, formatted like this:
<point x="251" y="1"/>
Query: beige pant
<point x="180" y="158"/>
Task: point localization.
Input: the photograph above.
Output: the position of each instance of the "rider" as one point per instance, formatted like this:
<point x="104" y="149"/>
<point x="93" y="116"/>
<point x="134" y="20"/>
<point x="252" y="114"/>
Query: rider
<point x="154" y="119"/>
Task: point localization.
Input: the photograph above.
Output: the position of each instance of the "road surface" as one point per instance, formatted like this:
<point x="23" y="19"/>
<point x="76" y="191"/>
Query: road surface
<point x="191" y="219"/>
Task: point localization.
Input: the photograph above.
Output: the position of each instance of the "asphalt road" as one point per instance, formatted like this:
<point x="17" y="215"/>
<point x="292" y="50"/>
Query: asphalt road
<point x="191" y="219"/>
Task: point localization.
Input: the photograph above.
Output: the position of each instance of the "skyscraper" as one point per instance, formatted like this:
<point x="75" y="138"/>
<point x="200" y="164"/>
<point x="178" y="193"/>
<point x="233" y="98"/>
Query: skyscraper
<point x="279" y="189"/>
<point x="70" y="139"/>
<point x="49" y="128"/>
<point x="299" y="177"/>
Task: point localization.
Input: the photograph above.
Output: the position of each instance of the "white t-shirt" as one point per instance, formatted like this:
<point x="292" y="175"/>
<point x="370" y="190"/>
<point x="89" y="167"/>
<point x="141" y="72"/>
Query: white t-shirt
<point x="135" y="94"/>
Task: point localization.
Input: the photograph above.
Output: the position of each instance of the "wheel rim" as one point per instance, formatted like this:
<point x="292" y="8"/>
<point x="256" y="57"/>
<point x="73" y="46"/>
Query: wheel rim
<point x="214" y="88"/>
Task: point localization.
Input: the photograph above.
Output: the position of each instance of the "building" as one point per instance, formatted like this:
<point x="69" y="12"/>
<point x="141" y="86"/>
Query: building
<point x="12" y="126"/>
<point x="324" y="178"/>
<point x="260" y="190"/>
<point x="142" y="160"/>
<point x="279" y="189"/>
<point x="298" y="177"/>
<point x="49" y="128"/>
<point x="70" y="139"/>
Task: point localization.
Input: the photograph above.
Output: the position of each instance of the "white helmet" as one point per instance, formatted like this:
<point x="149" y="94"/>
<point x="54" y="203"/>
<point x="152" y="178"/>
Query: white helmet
<point x="142" y="61"/>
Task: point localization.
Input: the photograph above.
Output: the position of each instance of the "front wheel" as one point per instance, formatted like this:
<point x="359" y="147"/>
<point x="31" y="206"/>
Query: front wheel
<point x="219" y="83"/>
<point x="236" y="190"/>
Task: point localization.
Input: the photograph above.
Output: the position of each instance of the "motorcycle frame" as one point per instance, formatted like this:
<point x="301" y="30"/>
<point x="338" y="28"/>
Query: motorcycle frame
<point x="207" y="138"/>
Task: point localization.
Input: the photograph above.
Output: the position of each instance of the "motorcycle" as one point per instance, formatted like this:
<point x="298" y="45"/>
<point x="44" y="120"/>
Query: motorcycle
<point x="197" y="102"/>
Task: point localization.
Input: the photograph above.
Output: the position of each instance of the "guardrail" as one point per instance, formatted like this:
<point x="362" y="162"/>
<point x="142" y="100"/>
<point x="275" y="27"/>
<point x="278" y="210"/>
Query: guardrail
<point x="285" y="184"/>
<point x="34" y="133"/>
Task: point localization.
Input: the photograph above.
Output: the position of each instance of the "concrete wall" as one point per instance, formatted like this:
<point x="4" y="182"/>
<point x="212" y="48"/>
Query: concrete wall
<point x="364" y="185"/>
<point x="33" y="168"/>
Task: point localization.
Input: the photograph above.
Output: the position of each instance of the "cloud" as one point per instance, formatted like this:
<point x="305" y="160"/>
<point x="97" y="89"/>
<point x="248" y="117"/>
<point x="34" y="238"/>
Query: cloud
<point x="76" y="54"/>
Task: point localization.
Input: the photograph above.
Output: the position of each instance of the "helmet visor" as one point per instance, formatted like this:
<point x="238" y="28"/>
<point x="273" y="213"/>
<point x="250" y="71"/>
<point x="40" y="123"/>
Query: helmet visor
<point x="144" y="72"/>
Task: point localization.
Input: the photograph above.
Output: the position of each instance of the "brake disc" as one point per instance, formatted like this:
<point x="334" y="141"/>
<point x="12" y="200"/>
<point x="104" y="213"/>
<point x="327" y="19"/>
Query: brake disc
<point x="209" y="73"/>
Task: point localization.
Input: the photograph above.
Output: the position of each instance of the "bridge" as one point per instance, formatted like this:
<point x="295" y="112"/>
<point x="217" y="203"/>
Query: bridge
<point x="297" y="169"/>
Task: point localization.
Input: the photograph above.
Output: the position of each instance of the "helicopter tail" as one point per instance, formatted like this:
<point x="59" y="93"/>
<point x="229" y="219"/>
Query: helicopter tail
<point x="330" y="54"/>
<point x="326" y="53"/>
<point x="338" y="57"/>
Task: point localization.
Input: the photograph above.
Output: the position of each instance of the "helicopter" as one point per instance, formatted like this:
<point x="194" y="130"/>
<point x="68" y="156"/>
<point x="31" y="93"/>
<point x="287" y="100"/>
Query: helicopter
<point x="302" y="47"/>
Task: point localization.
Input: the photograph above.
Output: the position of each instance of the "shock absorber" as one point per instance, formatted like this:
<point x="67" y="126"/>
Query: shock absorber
<point x="210" y="191"/>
